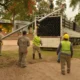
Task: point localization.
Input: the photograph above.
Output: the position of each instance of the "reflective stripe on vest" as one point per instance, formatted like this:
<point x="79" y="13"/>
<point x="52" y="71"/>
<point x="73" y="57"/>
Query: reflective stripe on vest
<point x="65" y="47"/>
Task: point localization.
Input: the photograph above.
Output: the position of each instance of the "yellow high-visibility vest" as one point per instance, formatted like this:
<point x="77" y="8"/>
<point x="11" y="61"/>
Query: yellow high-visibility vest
<point x="36" y="41"/>
<point x="65" y="46"/>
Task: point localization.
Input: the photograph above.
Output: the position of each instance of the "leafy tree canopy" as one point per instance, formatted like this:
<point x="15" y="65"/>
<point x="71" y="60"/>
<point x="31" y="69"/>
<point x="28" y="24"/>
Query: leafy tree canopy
<point x="74" y="3"/>
<point x="77" y="19"/>
<point x="20" y="9"/>
<point x="43" y="7"/>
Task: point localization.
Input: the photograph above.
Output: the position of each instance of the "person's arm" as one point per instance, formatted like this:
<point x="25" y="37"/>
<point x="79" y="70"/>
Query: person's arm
<point x="71" y="48"/>
<point x="28" y="42"/>
<point x="18" y="42"/>
<point x="40" y="42"/>
<point x="58" y="49"/>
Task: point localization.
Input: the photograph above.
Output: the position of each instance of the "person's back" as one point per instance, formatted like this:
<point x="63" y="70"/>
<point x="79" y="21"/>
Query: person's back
<point x="65" y="46"/>
<point x="23" y="43"/>
<point x="36" y="41"/>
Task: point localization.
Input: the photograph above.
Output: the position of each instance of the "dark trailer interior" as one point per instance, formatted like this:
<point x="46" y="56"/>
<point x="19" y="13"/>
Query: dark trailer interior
<point x="49" y="27"/>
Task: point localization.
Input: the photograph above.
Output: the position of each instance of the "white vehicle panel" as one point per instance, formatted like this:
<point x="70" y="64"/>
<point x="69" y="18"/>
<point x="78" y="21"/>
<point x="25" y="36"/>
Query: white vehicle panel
<point x="50" y="42"/>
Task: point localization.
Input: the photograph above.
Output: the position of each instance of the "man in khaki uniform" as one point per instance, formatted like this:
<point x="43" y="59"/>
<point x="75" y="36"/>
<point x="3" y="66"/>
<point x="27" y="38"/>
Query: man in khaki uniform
<point x="66" y="52"/>
<point x="23" y="43"/>
<point x="1" y="43"/>
<point x="36" y="46"/>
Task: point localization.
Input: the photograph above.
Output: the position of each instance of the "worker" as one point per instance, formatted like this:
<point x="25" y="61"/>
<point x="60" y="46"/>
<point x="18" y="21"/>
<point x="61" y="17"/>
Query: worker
<point x="58" y="60"/>
<point x="65" y="50"/>
<point x="36" y="46"/>
<point x="23" y="43"/>
<point x="1" y="42"/>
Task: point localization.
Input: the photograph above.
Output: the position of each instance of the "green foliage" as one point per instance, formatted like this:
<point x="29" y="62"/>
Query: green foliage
<point x="74" y="3"/>
<point x="77" y="19"/>
<point x="61" y="3"/>
<point x="43" y="7"/>
<point x="18" y="9"/>
<point x="76" y="51"/>
<point x="8" y="27"/>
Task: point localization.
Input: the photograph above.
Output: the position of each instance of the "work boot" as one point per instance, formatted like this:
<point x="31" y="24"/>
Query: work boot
<point x="58" y="61"/>
<point x="23" y="66"/>
<point x="68" y="71"/>
<point x="40" y="56"/>
<point x="63" y="73"/>
<point x="33" y="56"/>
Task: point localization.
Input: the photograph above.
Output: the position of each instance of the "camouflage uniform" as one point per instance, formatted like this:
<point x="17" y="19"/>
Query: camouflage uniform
<point x="1" y="43"/>
<point x="23" y="43"/>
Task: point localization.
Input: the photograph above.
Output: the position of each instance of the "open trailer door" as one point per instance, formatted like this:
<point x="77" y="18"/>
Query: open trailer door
<point x="50" y="31"/>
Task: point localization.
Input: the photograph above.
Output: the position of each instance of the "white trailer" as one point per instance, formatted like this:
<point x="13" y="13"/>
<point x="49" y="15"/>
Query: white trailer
<point x="51" y="29"/>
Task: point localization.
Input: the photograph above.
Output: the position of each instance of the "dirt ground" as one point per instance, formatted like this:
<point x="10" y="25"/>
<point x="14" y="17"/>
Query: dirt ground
<point x="9" y="45"/>
<point x="40" y="71"/>
<point x="44" y="70"/>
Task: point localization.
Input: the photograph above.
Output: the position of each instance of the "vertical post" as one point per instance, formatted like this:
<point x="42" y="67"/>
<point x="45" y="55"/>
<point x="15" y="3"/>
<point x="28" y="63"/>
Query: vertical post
<point x="13" y="19"/>
<point x="35" y="27"/>
<point x="61" y="27"/>
<point x="64" y="22"/>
